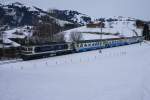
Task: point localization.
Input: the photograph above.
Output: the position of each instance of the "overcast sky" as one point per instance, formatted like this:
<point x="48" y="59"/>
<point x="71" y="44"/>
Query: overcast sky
<point x="97" y="8"/>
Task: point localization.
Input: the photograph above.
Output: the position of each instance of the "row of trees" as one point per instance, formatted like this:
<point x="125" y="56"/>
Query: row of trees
<point x="146" y="28"/>
<point x="146" y="32"/>
<point x="45" y="33"/>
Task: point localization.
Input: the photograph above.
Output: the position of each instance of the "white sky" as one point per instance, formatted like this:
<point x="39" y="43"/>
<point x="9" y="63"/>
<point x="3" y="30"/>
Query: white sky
<point x="97" y="8"/>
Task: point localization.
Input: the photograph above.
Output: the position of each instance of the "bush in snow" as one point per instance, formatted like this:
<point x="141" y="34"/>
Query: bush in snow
<point x="59" y="37"/>
<point x="75" y="36"/>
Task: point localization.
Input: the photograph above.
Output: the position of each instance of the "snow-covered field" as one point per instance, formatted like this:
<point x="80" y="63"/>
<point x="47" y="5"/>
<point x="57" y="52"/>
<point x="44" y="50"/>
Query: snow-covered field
<point x="120" y="73"/>
<point x="89" y="36"/>
<point x="122" y="27"/>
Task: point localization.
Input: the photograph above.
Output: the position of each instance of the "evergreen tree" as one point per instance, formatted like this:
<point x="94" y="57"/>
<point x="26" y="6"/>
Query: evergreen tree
<point x="146" y="32"/>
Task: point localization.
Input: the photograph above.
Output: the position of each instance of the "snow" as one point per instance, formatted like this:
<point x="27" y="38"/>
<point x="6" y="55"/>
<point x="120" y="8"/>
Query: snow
<point x="120" y="73"/>
<point x="61" y="22"/>
<point x="9" y="33"/>
<point x="124" y="27"/>
<point x="89" y="35"/>
<point x="78" y="18"/>
<point x="9" y="42"/>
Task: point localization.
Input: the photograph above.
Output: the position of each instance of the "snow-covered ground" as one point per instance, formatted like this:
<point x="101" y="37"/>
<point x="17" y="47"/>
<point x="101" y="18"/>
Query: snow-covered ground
<point x="89" y="36"/>
<point x="11" y="34"/>
<point x="25" y="32"/>
<point x="120" y="73"/>
<point x="122" y="27"/>
<point x="87" y="33"/>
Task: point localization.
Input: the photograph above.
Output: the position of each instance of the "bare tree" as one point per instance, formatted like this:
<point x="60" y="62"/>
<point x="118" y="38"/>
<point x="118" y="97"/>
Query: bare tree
<point x="75" y="36"/>
<point x="43" y="33"/>
<point x="60" y="37"/>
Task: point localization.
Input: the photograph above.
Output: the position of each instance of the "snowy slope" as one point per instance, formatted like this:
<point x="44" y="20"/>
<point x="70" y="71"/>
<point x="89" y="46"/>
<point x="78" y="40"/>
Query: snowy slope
<point x="71" y="16"/>
<point x="120" y="73"/>
<point x="10" y="33"/>
<point x="88" y="35"/>
<point x="121" y="27"/>
<point x="124" y="27"/>
<point x="19" y="14"/>
<point x="9" y="43"/>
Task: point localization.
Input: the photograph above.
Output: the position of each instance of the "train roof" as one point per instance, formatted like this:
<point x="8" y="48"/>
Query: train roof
<point x="106" y="39"/>
<point x="44" y="44"/>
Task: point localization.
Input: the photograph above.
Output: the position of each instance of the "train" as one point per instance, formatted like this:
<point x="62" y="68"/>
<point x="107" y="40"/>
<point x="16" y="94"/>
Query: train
<point x="47" y="50"/>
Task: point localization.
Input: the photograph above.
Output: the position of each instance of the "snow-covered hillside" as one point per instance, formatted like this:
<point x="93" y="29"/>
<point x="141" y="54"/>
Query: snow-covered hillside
<point x="120" y="73"/>
<point x="70" y="16"/>
<point x="114" y="29"/>
<point x="87" y="35"/>
<point x="18" y="16"/>
<point x="122" y="27"/>
<point x="14" y="33"/>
